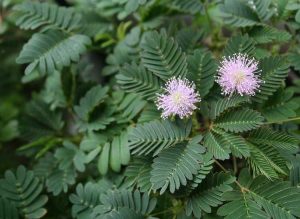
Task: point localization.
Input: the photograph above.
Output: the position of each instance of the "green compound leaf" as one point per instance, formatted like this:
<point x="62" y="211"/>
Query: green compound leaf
<point x="34" y="15"/>
<point x="182" y="163"/>
<point x="24" y="190"/>
<point x="209" y="194"/>
<point x="162" y="56"/>
<point x="202" y="69"/>
<point x="152" y="137"/>
<point x="124" y="204"/>
<point x="239" y="120"/>
<point x="136" y="79"/>
<point x="274" y="71"/>
<point x="51" y="51"/>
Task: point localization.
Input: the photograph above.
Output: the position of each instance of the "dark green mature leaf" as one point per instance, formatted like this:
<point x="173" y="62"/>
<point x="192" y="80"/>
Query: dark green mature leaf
<point x="138" y="174"/>
<point x="266" y="160"/>
<point x="34" y="15"/>
<point x="220" y="106"/>
<point x="278" y="140"/>
<point x="175" y="165"/>
<point x="209" y="194"/>
<point x="8" y="209"/>
<point x="124" y="204"/>
<point x="205" y="168"/>
<point x="240" y="44"/>
<point x="274" y="71"/>
<point x="130" y="106"/>
<point x="202" y="69"/>
<point x="239" y="120"/>
<point x="215" y="145"/>
<point x="280" y="106"/>
<point x="134" y="78"/>
<point x="237" y="144"/>
<point x="52" y="51"/>
<point x="162" y="56"/>
<point x="295" y="170"/>
<point x="152" y="137"/>
<point x="24" y="190"/>
<point x="39" y="121"/>
<point x="238" y="13"/>
<point x="267" y="34"/>
<point x="92" y="99"/>
<point x="261" y="198"/>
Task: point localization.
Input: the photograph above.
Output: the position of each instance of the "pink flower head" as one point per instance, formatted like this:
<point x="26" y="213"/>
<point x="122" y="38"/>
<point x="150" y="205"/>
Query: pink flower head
<point x="179" y="98"/>
<point x="239" y="73"/>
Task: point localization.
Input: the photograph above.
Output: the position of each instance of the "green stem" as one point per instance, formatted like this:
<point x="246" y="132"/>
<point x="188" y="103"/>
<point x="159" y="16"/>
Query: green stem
<point x="282" y="121"/>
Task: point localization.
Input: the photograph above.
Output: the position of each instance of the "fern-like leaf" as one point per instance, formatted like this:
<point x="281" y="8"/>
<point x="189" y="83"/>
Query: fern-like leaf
<point x="209" y="194"/>
<point x="154" y="136"/>
<point x="202" y="69"/>
<point x="34" y="15"/>
<point x="240" y="44"/>
<point x="136" y="79"/>
<point x="24" y="189"/>
<point x="162" y="56"/>
<point x="238" y="13"/>
<point x="239" y="120"/>
<point x="279" y="140"/>
<point x="124" y="204"/>
<point x="220" y="106"/>
<point x="52" y="50"/>
<point x="214" y="144"/>
<point x="274" y="71"/>
<point x="85" y="199"/>
<point x="267" y="161"/>
<point x="183" y="163"/>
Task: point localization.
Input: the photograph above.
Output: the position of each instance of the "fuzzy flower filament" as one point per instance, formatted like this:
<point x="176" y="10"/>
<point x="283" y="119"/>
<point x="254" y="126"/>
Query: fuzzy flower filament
<point x="179" y="98"/>
<point x="240" y="74"/>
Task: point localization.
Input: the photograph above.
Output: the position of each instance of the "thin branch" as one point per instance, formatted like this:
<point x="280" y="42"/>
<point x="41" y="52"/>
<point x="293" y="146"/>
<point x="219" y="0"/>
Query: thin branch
<point x="282" y="121"/>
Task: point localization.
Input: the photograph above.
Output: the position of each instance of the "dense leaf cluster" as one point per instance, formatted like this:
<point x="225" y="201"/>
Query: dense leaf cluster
<point x="80" y="133"/>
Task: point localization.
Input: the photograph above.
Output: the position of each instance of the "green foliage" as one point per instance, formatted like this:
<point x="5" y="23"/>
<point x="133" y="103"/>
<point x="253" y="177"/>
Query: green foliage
<point x="133" y="78"/>
<point x="52" y="51"/>
<point x="34" y="15"/>
<point x="114" y="154"/>
<point x="242" y="120"/>
<point x="23" y="189"/>
<point x="202" y="69"/>
<point x="209" y="194"/>
<point x="239" y="14"/>
<point x="187" y="6"/>
<point x="183" y="163"/>
<point x="92" y="99"/>
<point x="240" y="44"/>
<point x="84" y="119"/>
<point x="118" y="203"/>
<point x="162" y="56"/>
<point x="8" y="209"/>
<point x="262" y="198"/>
<point x="274" y="71"/>
<point x="144" y="140"/>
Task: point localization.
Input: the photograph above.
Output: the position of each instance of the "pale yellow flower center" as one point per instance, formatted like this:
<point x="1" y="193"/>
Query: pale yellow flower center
<point x="239" y="77"/>
<point x="177" y="97"/>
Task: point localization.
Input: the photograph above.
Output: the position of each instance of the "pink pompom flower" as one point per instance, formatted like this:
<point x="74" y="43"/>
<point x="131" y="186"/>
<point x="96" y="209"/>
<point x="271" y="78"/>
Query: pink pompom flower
<point x="179" y="98"/>
<point x="240" y="74"/>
